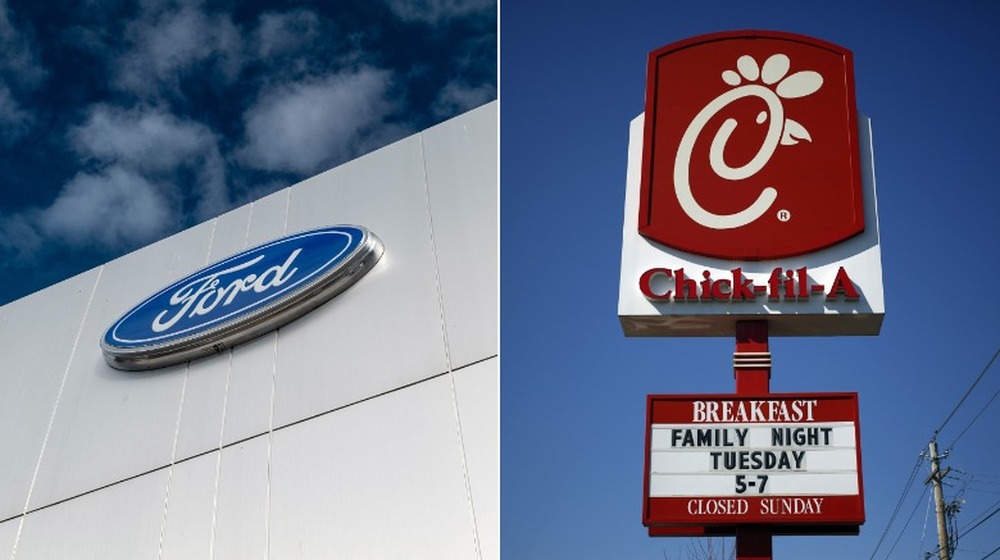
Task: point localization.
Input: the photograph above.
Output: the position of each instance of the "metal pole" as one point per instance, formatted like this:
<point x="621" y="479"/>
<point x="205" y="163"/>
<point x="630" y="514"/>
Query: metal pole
<point x="752" y="370"/>
<point x="944" y="552"/>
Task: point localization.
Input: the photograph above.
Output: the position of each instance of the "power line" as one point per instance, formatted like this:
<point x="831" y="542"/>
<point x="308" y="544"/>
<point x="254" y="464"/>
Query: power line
<point x="899" y="504"/>
<point x="981" y="521"/>
<point x="981" y="411"/>
<point x="966" y="395"/>
<point x="976" y="518"/>
<point x="969" y="529"/>
<point x="947" y="543"/>
<point x="907" y="524"/>
<point x="920" y="458"/>
<point x="923" y="532"/>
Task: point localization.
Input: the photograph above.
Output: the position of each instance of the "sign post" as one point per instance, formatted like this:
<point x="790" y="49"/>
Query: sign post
<point x="752" y="373"/>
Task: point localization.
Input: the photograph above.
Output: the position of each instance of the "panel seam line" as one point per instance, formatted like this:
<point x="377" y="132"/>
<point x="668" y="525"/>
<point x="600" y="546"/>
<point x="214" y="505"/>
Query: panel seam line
<point x="55" y="409"/>
<point x="246" y="439"/>
<point x="447" y="351"/>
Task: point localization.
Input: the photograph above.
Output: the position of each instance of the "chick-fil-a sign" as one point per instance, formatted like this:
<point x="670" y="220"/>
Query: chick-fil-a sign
<point x="751" y="146"/>
<point x="782" y="459"/>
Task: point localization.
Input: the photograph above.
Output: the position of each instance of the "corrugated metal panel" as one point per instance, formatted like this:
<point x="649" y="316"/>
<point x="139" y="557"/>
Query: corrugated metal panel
<point x="464" y="211"/>
<point x="477" y="389"/>
<point x="385" y="331"/>
<point x="186" y="515"/>
<point x="121" y="521"/>
<point x="381" y="479"/>
<point x="111" y="425"/>
<point x="36" y="353"/>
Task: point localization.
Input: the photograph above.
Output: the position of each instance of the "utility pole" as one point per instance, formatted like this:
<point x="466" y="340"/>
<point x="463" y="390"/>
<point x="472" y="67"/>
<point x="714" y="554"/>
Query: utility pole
<point x="944" y="548"/>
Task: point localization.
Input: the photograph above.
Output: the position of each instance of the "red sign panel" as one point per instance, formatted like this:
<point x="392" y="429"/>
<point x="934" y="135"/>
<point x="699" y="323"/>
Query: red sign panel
<point x="751" y="146"/>
<point x="779" y="459"/>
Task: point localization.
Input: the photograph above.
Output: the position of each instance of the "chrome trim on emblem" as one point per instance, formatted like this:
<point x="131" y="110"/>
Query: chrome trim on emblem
<point x="244" y="327"/>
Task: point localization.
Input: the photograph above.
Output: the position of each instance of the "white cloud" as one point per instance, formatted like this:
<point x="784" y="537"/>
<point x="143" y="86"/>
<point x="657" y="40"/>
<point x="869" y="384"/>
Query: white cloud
<point x="19" y="63"/>
<point x="149" y="139"/>
<point x="114" y="209"/>
<point x="19" y="240"/>
<point x="167" y="44"/>
<point x="457" y="97"/>
<point x="135" y="198"/>
<point x="21" y="73"/>
<point x="153" y="142"/>
<point x="438" y="11"/>
<point x="14" y="120"/>
<point x="305" y="126"/>
<point x="282" y="33"/>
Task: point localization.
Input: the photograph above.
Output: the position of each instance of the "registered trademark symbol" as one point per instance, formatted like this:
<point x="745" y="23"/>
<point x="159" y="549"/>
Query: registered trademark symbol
<point x="784" y="215"/>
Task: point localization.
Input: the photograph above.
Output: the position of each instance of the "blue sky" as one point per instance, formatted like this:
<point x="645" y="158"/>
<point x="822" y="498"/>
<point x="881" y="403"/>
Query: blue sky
<point x="122" y="122"/>
<point x="573" y="387"/>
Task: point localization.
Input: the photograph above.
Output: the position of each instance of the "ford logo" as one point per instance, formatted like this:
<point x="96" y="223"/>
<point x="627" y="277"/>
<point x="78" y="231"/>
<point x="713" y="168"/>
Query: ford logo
<point x="241" y="297"/>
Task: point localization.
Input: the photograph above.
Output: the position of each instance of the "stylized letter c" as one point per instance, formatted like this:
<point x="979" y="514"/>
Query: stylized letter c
<point x="682" y="180"/>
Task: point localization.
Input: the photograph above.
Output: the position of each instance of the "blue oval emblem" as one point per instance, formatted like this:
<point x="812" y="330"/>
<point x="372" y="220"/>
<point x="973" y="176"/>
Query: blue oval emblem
<point x="241" y="297"/>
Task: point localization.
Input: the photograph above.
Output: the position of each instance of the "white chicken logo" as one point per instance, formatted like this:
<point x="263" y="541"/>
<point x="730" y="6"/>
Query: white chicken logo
<point x="781" y="130"/>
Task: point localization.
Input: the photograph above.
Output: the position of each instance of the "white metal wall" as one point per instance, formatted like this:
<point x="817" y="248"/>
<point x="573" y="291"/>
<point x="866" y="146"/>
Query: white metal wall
<point x="367" y="429"/>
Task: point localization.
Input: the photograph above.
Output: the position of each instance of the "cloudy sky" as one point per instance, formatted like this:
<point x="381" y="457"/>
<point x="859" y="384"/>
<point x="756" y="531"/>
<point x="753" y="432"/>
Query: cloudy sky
<point x="122" y="122"/>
